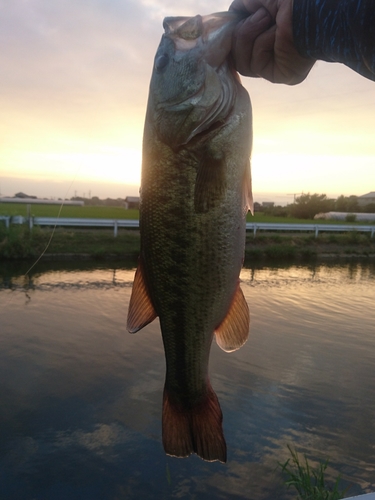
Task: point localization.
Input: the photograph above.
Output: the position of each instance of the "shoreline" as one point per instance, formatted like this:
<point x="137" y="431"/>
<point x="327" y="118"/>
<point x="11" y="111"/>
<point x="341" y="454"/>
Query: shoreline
<point x="100" y="244"/>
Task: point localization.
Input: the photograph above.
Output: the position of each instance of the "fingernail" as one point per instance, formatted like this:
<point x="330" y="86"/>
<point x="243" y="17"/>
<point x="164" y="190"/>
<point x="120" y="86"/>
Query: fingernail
<point x="259" y="15"/>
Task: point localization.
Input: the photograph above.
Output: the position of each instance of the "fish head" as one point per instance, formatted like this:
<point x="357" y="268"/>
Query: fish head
<point x="193" y="82"/>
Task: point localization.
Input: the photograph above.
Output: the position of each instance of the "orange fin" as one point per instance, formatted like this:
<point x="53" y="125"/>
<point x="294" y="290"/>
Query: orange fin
<point x="141" y="310"/>
<point x="195" y="430"/>
<point x="234" y="329"/>
<point x="248" y="191"/>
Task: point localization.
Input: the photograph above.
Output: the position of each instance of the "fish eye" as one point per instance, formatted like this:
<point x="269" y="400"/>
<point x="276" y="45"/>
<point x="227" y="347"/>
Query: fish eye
<point x="161" y="62"/>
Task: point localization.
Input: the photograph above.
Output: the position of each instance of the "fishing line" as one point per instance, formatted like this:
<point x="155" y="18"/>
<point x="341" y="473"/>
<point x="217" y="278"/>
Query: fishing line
<point x="54" y="227"/>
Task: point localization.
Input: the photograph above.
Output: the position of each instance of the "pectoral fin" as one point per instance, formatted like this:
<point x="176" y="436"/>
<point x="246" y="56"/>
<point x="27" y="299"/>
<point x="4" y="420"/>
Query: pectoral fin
<point x="234" y="329"/>
<point x="141" y="310"/>
<point x="247" y="191"/>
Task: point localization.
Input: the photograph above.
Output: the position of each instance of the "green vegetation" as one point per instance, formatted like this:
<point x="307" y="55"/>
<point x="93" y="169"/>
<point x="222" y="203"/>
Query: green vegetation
<point x="268" y="245"/>
<point x="260" y="217"/>
<point x="87" y="212"/>
<point x="18" y="242"/>
<point x="310" y="482"/>
<point x="103" y="212"/>
<point x="303" y="210"/>
<point x="308" y="205"/>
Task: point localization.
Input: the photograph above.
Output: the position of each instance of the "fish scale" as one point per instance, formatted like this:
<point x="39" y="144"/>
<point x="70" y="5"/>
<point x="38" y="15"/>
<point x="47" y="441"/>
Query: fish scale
<point x="195" y="192"/>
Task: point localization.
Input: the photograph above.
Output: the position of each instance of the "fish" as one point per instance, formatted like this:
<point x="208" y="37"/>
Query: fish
<point x="194" y="196"/>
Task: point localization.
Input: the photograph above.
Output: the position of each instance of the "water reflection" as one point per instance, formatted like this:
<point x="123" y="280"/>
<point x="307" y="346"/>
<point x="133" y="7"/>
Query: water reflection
<point x="81" y="399"/>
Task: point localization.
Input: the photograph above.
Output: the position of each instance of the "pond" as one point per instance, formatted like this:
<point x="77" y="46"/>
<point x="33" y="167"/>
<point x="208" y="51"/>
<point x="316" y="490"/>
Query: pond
<point x="81" y="398"/>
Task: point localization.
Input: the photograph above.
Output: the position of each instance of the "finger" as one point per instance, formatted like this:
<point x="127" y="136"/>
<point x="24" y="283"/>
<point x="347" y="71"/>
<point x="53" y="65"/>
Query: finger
<point x="278" y="63"/>
<point x="252" y="6"/>
<point x="244" y="37"/>
<point x="262" y="61"/>
<point x="238" y="6"/>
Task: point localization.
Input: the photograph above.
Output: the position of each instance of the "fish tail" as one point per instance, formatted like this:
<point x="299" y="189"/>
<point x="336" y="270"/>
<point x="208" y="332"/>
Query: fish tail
<point x="194" y="430"/>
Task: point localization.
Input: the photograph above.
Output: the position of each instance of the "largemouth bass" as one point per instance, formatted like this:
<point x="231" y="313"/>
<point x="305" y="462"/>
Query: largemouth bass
<point x="195" y="193"/>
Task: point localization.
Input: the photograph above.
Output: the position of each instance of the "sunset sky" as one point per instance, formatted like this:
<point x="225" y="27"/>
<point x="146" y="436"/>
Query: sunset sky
<point x="73" y="91"/>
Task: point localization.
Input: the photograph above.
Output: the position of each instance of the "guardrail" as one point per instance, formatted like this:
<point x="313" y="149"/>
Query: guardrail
<point x="129" y="223"/>
<point x="75" y="222"/>
<point x="5" y="219"/>
<point x="344" y="228"/>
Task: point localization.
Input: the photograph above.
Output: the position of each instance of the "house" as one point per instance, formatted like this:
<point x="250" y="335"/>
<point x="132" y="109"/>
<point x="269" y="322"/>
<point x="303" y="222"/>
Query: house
<point x="366" y="199"/>
<point x="132" y="202"/>
<point x="23" y="195"/>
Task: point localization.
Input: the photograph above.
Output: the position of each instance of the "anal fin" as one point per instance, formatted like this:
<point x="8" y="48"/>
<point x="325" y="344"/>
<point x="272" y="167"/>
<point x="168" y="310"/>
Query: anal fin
<point x="233" y="331"/>
<point x="141" y="310"/>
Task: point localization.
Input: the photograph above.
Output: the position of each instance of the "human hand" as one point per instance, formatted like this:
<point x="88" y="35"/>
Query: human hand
<point x="263" y="43"/>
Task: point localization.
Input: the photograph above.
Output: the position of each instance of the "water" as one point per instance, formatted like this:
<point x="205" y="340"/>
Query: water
<point x="81" y="398"/>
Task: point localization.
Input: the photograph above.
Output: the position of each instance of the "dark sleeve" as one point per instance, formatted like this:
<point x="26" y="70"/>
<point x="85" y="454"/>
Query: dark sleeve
<point x="337" y="31"/>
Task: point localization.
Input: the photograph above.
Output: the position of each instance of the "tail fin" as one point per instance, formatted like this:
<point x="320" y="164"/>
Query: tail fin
<point x="194" y="430"/>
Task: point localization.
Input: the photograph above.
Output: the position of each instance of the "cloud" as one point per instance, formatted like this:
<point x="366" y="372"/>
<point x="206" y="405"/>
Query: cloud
<point x="103" y="436"/>
<point x="75" y="73"/>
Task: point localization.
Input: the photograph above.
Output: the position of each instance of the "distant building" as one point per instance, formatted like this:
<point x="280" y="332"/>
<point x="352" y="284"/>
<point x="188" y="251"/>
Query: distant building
<point x="366" y="199"/>
<point x="268" y="204"/>
<point x="348" y="216"/>
<point x="23" y="195"/>
<point x="132" y="202"/>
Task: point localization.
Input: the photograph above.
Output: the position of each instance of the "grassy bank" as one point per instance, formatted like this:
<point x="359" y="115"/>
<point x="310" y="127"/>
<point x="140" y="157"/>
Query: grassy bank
<point x="89" y="212"/>
<point x="306" y="246"/>
<point x="18" y="242"/>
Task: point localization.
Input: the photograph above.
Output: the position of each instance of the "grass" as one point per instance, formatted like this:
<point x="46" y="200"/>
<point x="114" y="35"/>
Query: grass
<point x="18" y="242"/>
<point x="303" y="246"/>
<point x="90" y="212"/>
<point x="103" y="212"/>
<point x="261" y="217"/>
<point x="309" y="482"/>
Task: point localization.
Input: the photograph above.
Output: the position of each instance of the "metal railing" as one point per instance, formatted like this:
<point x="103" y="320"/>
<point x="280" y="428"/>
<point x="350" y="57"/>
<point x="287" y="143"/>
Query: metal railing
<point x="76" y="222"/>
<point x="130" y="223"/>
<point x="343" y="228"/>
<point x="5" y="219"/>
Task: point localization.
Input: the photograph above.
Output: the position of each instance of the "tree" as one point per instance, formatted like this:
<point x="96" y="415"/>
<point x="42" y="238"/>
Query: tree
<point x="346" y="204"/>
<point x="308" y="205"/>
<point x="369" y="208"/>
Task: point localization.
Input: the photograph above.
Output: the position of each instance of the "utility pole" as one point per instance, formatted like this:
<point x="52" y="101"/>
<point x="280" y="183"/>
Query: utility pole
<point x="294" y="195"/>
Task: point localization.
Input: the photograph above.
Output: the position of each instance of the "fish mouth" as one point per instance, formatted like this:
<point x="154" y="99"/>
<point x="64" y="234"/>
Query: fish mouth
<point x="213" y="30"/>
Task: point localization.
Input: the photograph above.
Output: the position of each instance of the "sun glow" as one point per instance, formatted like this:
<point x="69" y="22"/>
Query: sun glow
<point x="107" y="164"/>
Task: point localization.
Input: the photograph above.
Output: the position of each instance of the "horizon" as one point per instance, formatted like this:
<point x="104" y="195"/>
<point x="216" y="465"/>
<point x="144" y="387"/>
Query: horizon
<point x="115" y="191"/>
